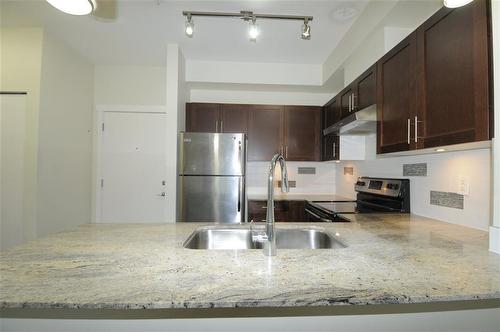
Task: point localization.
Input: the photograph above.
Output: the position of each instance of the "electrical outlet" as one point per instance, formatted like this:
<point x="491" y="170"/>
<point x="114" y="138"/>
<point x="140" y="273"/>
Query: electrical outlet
<point x="463" y="185"/>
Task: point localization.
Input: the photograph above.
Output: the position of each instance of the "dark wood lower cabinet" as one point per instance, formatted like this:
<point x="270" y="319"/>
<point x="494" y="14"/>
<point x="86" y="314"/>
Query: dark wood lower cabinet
<point x="284" y="211"/>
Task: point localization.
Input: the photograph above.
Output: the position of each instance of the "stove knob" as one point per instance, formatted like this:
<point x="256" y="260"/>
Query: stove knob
<point x="361" y="183"/>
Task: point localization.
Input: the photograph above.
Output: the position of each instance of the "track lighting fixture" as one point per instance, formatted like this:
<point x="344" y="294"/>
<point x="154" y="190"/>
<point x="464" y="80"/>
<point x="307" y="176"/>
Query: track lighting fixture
<point x="253" y="30"/>
<point x="189" y="26"/>
<point x="251" y="18"/>
<point x="306" y="30"/>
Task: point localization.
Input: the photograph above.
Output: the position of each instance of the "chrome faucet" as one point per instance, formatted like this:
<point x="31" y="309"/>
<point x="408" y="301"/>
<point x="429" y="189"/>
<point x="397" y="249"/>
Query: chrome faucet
<point x="270" y="238"/>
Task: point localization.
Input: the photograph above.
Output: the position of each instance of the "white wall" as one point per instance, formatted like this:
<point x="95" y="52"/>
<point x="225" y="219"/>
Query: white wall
<point x="253" y="73"/>
<point x="259" y="97"/>
<point x="130" y="85"/>
<point x="21" y="61"/>
<point x="176" y="102"/>
<point x="323" y="182"/>
<point x="64" y="139"/>
<point x="443" y="172"/>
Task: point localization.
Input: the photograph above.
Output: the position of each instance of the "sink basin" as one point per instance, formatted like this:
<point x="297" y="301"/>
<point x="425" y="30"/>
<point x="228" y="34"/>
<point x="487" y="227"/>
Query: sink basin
<point x="244" y="237"/>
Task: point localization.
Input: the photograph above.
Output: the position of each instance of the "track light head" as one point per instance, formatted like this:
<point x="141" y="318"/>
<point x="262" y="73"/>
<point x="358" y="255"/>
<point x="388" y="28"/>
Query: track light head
<point x="306" y="30"/>
<point x="253" y="30"/>
<point x="189" y="26"/>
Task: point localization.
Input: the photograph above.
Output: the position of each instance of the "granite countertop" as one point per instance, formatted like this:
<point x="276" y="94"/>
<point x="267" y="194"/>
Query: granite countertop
<point x="389" y="259"/>
<point x="300" y="197"/>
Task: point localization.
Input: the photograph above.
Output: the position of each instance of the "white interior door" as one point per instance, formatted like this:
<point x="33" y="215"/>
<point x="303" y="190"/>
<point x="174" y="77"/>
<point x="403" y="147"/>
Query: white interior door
<point x="12" y="149"/>
<point x="133" y="167"/>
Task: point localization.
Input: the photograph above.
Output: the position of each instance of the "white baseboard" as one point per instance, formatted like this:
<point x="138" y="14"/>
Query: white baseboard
<point x="495" y="239"/>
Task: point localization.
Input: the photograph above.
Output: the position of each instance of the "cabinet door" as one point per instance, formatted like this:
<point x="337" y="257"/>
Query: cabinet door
<point x="453" y="82"/>
<point x="331" y="147"/>
<point x="265" y="132"/>
<point x="302" y="133"/>
<point x="346" y="102"/>
<point x="202" y="117"/>
<point x="234" y="118"/>
<point x="396" y="97"/>
<point x="365" y="94"/>
<point x="331" y="113"/>
<point x="297" y="211"/>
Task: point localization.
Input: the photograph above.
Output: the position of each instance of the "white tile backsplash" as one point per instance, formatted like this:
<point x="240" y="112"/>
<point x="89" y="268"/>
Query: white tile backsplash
<point x="323" y="182"/>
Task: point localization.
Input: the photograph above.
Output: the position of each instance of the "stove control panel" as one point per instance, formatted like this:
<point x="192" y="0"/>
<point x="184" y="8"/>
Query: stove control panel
<point x="379" y="186"/>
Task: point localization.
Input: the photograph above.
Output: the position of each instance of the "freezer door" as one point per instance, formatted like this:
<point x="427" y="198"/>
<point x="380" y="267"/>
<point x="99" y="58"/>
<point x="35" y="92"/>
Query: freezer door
<point x="219" y="199"/>
<point x="212" y="154"/>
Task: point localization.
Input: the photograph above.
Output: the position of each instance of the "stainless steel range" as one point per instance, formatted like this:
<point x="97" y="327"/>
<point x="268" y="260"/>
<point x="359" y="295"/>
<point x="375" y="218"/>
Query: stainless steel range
<point x="374" y="195"/>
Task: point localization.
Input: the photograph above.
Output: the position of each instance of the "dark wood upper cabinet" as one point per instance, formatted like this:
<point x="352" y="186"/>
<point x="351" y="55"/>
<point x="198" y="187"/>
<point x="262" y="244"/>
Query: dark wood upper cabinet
<point x="330" y="147"/>
<point x="453" y="82"/>
<point x="365" y="89"/>
<point x="331" y="113"/>
<point x="302" y="132"/>
<point x="346" y="97"/>
<point x="234" y="118"/>
<point x="265" y="131"/>
<point x="202" y="117"/>
<point x="396" y="97"/>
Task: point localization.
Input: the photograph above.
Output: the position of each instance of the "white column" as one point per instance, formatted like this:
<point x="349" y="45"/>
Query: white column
<point x="495" y="224"/>
<point x="176" y="100"/>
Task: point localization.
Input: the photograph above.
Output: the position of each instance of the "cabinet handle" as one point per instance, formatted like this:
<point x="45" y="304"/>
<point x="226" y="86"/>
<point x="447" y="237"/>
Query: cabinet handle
<point x="409" y="124"/>
<point x="349" y="103"/>
<point x="353" y="101"/>
<point x="334" y="145"/>
<point x="216" y="126"/>
<point x="221" y="126"/>
<point x="416" y="128"/>
<point x="286" y="151"/>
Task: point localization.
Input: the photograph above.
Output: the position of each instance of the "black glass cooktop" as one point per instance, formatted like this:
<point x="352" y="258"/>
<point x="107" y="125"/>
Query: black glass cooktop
<point x="337" y="207"/>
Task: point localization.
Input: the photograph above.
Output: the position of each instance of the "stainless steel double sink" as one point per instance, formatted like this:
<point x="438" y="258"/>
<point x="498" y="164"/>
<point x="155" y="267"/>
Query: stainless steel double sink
<point x="244" y="237"/>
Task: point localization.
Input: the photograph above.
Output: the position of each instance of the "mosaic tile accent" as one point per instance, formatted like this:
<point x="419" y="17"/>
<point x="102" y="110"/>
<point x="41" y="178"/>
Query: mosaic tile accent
<point x="451" y="200"/>
<point x="415" y="169"/>
<point x="306" y="170"/>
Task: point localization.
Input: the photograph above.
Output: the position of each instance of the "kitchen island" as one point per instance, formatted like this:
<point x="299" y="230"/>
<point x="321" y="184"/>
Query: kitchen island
<point x="390" y="259"/>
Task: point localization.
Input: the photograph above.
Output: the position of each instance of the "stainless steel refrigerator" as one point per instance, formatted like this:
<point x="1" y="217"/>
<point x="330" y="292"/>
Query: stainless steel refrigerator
<point x="212" y="177"/>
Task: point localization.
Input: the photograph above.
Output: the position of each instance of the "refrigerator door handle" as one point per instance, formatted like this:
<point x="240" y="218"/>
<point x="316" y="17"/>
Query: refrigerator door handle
<point x="239" y="195"/>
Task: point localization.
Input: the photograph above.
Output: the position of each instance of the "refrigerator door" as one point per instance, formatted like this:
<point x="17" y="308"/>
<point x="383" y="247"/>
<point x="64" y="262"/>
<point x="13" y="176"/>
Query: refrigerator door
<point x="211" y="154"/>
<point x="217" y="199"/>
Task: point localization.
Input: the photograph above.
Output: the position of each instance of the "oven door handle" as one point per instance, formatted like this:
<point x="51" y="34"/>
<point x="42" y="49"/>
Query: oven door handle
<point x="317" y="216"/>
<point x="378" y="206"/>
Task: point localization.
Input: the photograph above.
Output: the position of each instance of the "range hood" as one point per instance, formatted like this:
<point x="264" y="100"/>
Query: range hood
<point x="361" y="123"/>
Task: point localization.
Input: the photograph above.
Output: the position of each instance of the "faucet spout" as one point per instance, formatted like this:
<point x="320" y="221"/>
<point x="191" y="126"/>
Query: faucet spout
<point x="270" y="242"/>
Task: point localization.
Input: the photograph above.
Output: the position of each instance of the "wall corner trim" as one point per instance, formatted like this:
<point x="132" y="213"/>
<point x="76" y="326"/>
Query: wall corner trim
<point x="495" y="239"/>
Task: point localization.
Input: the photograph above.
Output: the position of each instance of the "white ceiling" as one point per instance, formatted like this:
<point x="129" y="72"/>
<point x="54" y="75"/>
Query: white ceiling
<point x="142" y="29"/>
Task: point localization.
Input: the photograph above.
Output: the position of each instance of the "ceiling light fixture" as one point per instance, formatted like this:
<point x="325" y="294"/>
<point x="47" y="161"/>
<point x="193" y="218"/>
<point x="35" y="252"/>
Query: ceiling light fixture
<point x="456" y="3"/>
<point x="189" y="27"/>
<point x="248" y="16"/>
<point x="74" y="7"/>
<point x="253" y="30"/>
<point x="306" y="30"/>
